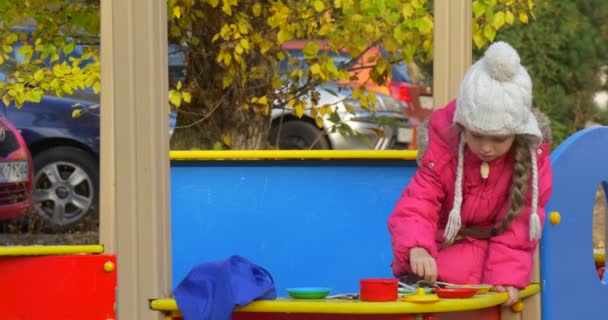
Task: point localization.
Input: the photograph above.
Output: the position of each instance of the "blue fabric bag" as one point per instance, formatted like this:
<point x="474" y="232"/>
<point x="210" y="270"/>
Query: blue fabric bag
<point x="212" y="290"/>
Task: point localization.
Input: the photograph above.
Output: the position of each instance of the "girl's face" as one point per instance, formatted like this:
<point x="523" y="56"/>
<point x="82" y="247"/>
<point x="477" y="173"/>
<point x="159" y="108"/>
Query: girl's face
<point x="488" y="148"/>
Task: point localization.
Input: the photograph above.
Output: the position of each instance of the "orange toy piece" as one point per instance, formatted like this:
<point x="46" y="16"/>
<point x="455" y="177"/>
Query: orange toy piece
<point x="518" y="307"/>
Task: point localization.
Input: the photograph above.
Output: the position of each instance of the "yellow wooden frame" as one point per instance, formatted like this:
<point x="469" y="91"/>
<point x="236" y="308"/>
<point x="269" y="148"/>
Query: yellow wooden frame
<point x="335" y="306"/>
<point x="49" y="250"/>
<point x="293" y="154"/>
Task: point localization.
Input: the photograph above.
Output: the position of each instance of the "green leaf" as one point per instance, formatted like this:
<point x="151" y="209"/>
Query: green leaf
<point x="218" y="146"/>
<point x="69" y="48"/>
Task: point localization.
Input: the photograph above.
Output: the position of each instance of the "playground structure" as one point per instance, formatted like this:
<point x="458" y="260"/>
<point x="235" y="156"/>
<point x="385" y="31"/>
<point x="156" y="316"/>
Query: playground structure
<point x="136" y="225"/>
<point x="313" y="221"/>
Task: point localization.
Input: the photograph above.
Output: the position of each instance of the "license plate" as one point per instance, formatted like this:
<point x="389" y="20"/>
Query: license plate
<point x="13" y="171"/>
<point x="404" y="135"/>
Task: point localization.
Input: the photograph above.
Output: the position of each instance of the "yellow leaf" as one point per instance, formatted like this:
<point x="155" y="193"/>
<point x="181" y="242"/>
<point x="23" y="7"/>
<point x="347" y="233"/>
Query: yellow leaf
<point x="373" y="98"/>
<point x="187" y="97"/>
<point x="227" y="58"/>
<point x="349" y="108"/>
<point x="177" y="12"/>
<point x="323" y="109"/>
<point x="39" y="75"/>
<point x="357" y="92"/>
<point x="284" y="35"/>
<point x="479" y="40"/>
<point x="523" y="17"/>
<point x="407" y="10"/>
<point x="227" y="9"/>
<point x="76" y="113"/>
<point x="319" y="121"/>
<point x="315" y="68"/>
<point x="319" y="6"/>
<point x="6" y="100"/>
<point x="263" y="100"/>
<point x="479" y="8"/>
<point x="299" y="110"/>
<point x="179" y="85"/>
<point x="175" y="98"/>
<point x="227" y="140"/>
<point x="276" y="82"/>
<point x="257" y="9"/>
<point x="509" y="18"/>
<point x="489" y="32"/>
<point x="97" y="87"/>
<point x="499" y="20"/>
<point x="245" y="44"/>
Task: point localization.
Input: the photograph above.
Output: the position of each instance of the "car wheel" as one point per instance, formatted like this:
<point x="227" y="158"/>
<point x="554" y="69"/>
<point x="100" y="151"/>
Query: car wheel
<point x="298" y="135"/>
<point x="66" y="186"/>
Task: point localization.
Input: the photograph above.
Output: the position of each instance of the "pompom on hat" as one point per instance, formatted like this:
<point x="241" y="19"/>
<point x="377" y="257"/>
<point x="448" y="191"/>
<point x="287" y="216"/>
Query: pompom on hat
<point x="495" y="98"/>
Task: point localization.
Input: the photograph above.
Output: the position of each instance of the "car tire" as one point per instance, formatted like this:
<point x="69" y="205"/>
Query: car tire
<point x="65" y="190"/>
<point x="298" y="135"/>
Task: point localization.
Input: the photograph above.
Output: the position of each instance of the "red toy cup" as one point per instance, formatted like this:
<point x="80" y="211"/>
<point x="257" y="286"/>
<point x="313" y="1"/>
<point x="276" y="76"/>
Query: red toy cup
<point x="378" y="289"/>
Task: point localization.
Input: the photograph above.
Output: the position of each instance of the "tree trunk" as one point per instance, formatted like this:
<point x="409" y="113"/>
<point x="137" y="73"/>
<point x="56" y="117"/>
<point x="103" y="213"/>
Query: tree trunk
<point x="216" y="116"/>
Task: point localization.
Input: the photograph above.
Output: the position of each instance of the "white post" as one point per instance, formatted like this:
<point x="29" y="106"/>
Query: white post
<point x="135" y="219"/>
<point x="453" y="40"/>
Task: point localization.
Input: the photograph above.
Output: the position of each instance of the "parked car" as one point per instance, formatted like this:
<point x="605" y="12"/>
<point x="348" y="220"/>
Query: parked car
<point x="398" y="102"/>
<point x="16" y="170"/>
<point x="387" y="128"/>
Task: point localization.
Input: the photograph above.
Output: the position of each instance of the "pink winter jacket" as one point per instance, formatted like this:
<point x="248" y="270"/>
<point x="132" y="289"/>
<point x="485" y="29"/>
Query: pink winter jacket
<point x="421" y="213"/>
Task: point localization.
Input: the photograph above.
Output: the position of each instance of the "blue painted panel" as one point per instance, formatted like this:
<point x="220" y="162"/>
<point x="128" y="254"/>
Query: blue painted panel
<point x="310" y="223"/>
<point x="570" y="286"/>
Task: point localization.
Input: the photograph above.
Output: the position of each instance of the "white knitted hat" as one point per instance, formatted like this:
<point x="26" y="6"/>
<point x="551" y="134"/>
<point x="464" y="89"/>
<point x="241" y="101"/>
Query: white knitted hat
<point x="495" y="98"/>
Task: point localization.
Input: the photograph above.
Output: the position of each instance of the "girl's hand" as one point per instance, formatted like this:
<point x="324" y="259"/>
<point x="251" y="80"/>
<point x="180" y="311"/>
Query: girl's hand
<point x="423" y="264"/>
<point x="513" y="294"/>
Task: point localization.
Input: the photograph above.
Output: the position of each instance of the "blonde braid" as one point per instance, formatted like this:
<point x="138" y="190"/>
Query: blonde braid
<point x="519" y="184"/>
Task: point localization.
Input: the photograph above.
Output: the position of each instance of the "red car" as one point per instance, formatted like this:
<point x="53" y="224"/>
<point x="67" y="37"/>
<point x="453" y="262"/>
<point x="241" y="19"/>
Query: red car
<point x="16" y="171"/>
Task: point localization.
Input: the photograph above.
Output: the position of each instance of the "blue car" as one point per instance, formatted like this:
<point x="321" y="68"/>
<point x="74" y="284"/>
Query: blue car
<point x="65" y="150"/>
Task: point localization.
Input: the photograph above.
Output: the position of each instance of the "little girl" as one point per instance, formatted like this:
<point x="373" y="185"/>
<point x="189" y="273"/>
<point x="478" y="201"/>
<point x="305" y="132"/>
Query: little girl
<point x="474" y="210"/>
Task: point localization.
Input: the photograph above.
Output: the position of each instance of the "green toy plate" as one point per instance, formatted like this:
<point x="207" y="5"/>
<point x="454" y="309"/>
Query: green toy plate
<point x="308" y="292"/>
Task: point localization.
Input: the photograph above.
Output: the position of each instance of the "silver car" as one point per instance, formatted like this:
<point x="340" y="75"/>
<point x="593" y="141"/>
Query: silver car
<point x="386" y="128"/>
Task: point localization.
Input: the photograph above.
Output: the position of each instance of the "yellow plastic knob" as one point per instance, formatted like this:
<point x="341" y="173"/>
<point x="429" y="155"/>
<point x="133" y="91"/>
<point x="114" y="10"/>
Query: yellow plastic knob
<point x="554" y="217"/>
<point x="108" y="266"/>
<point x="518" y="307"/>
